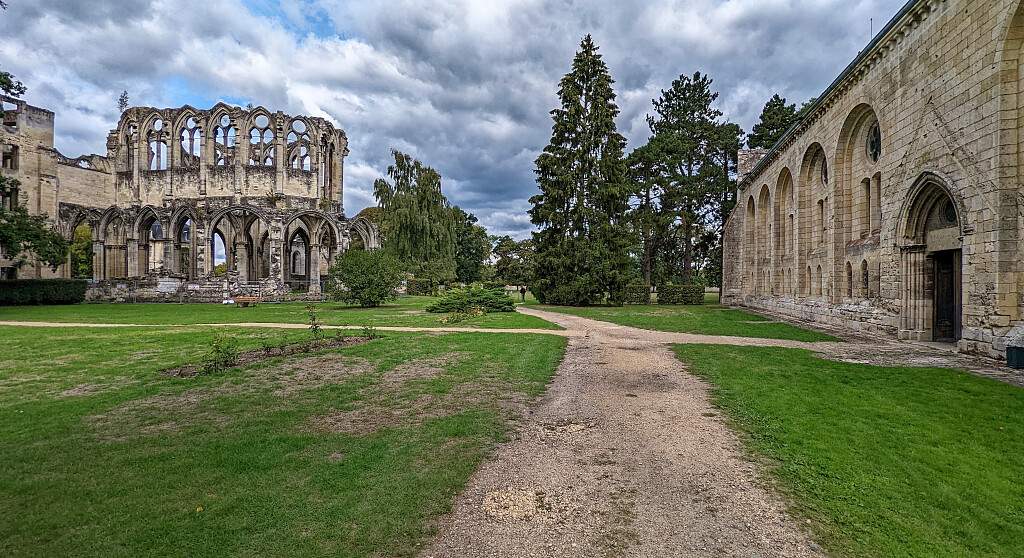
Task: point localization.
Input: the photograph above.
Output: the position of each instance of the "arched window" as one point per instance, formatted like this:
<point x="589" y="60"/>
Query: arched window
<point x="157" y="146"/>
<point x="873" y="142"/>
<point x="865" y="279"/>
<point x="261" y="143"/>
<point x="819" y="282"/>
<point x="298" y="146"/>
<point x="191" y="139"/>
<point x="224" y="142"/>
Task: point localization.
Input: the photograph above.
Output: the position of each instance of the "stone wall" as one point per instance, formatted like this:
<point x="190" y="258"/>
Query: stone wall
<point x="825" y="230"/>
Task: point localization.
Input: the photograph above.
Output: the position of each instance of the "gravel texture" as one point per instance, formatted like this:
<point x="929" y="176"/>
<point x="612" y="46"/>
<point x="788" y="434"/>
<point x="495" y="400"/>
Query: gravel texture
<point x="624" y="456"/>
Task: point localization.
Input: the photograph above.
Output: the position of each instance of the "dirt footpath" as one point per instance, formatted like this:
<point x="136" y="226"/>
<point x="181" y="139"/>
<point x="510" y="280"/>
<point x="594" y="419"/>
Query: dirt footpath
<point x="624" y="456"/>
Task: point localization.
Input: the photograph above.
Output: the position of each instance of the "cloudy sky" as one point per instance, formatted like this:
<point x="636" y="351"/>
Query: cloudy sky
<point x="464" y="85"/>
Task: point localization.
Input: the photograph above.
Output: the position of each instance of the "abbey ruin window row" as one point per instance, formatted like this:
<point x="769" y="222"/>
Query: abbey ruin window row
<point x="189" y="139"/>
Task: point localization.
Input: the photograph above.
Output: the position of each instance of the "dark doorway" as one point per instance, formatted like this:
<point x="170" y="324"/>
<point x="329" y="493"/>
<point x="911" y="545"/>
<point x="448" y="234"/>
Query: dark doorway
<point x="947" y="296"/>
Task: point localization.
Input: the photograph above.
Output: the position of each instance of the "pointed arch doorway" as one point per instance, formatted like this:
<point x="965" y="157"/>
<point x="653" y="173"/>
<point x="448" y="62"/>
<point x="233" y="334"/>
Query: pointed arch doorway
<point x="931" y="257"/>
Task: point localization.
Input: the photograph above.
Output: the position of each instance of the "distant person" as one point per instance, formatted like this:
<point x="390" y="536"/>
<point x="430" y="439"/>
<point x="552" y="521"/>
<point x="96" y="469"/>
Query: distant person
<point x="522" y="292"/>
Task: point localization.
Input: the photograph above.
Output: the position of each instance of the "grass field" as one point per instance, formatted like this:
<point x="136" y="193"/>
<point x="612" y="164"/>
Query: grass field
<point x="350" y="454"/>
<point x="710" y="319"/>
<point x="884" y="461"/>
<point x="406" y="311"/>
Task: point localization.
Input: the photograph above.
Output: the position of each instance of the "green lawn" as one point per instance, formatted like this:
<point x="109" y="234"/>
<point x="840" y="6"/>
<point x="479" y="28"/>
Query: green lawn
<point x="884" y="461"/>
<point x="350" y="454"/>
<point x="406" y="311"/>
<point x="710" y="319"/>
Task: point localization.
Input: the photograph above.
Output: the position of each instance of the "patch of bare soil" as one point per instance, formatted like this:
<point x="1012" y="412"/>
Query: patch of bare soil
<point x="315" y="371"/>
<point x="257" y="355"/>
<point x="387" y="404"/>
<point x="155" y="415"/>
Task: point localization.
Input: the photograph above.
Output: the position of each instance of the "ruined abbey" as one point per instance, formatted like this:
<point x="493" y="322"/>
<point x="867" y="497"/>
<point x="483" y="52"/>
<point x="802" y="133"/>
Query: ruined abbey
<point x="191" y="205"/>
<point x="895" y="206"/>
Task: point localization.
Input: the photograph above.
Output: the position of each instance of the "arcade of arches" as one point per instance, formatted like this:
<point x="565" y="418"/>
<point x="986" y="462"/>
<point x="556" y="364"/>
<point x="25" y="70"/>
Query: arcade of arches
<point x="895" y="206"/>
<point x="193" y="204"/>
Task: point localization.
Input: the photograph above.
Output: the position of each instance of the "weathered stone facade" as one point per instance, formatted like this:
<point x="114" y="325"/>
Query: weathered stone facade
<point x="180" y="186"/>
<point x="896" y="205"/>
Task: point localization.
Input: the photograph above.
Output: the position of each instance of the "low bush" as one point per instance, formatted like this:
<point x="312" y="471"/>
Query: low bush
<point x="637" y="293"/>
<point x="490" y="285"/>
<point x="464" y="300"/>
<point x="223" y="355"/>
<point x="419" y="287"/>
<point x="20" y="292"/>
<point x="681" y="294"/>
<point x="366" y="278"/>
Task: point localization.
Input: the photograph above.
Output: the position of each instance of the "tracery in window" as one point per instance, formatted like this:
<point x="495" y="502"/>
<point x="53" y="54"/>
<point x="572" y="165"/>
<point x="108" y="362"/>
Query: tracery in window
<point x="261" y="142"/>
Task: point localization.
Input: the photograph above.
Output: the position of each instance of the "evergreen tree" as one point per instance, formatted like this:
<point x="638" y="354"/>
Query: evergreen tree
<point x="687" y="136"/>
<point x="122" y="101"/>
<point x="417" y="223"/>
<point x="776" y="118"/>
<point x="650" y="216"/>
<point x="581" y="248"/>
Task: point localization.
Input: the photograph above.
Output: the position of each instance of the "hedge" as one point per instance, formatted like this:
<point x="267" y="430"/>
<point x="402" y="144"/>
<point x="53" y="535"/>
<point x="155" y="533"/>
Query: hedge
<point x="681" y="294"/>
<point x="463" y="300"/>
<point x="21" y="292"/>
<point x="637" y="293"/>
<point x="489" y="285"/>
<point x="419" y="287"/>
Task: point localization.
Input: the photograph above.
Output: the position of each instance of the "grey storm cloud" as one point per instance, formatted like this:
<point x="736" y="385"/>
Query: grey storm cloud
<point x="464" y="85"/>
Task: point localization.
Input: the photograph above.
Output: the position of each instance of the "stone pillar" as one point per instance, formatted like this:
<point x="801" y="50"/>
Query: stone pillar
<point x="97" y="260"/>
<point x="133" y="258"/>
<point x="242" y="261"/>
<point x="314" y="269"/>
<point x="278" y="261"/>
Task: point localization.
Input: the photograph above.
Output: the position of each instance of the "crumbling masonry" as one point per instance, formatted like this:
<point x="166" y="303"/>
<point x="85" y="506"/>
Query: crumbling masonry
<point x="191" y="204"/>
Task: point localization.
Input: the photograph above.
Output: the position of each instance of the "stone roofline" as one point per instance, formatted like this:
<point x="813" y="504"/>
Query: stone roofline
<point x="910" y="15"/>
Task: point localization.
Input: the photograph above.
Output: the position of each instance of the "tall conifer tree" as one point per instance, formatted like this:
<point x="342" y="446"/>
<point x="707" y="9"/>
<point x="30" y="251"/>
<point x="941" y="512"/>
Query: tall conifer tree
<point x="776" y="118"/>
<point x="581" y="248"/>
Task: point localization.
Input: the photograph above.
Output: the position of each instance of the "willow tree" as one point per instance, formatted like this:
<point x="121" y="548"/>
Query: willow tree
<point x="417" y="222"/>
<point x="581" y="247"/>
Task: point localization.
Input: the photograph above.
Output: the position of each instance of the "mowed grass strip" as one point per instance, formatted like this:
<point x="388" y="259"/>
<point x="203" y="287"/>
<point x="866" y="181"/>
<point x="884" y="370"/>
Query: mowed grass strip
<point x="352" y="452"/>
<point x="710" y="319"/>
<point x="883" y="461"/>
<point x="406" y="311"/>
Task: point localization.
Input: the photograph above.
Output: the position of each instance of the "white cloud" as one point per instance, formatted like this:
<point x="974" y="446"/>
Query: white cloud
<point x="464" y="85"/>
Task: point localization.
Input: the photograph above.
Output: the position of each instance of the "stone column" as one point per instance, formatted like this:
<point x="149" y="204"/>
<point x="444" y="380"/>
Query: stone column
<point x="242" y="261"/>
<point x="314" y="269"/>
<point x="133" y="258"/>
<point x="278" y="261"/>
<point x="97" y="260"/>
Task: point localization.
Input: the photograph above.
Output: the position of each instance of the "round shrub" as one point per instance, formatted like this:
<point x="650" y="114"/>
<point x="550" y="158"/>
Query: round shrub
<point x="364" y="277"/>
<point x="465" y="300"/>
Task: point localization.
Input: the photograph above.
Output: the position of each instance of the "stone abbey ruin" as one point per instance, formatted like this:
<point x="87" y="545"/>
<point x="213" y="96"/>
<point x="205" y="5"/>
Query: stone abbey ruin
<point x="192" y="205"/>
<point x="896" y="205"/>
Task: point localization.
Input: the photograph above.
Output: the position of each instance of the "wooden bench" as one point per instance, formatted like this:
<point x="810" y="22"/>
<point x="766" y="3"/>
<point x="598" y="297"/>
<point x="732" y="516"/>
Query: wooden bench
<point x="244" y="301"/>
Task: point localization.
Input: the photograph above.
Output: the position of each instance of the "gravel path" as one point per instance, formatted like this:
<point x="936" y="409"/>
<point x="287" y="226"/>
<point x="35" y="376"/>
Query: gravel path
<point x="624" y="456"/>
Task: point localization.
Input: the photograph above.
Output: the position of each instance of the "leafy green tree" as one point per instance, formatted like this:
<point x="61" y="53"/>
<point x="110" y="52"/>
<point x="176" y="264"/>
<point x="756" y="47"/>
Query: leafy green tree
<point x="81" y="252"/>
<point x="24" y="236"/>
<point x="776" y="118"/>
<point x="367" y="278"/>
<point x="472" y="247"/>
<point x="514" y="260"/>
<point x="581" y="248"/>
<point x="417" y="223"/>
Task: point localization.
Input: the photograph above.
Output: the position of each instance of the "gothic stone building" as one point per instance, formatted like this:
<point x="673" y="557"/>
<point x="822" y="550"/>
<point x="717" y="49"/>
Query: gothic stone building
<point x="191" y="204"/>
<point x="896" y="205"/>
